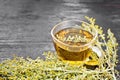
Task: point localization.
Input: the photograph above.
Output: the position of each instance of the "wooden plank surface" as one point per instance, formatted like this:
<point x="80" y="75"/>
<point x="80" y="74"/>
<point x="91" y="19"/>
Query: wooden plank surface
<point x="25" y="24"/>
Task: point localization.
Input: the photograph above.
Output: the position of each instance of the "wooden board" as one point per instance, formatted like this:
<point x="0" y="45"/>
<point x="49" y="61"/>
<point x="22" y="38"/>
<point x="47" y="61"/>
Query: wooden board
<point x="25" y="24"/>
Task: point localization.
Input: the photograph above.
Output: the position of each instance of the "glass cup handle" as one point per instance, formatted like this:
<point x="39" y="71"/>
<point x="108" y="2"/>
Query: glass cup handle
<point x="97" y="51"/>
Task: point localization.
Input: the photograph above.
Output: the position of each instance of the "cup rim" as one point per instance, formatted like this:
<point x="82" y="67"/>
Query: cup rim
<point x="87" y="44"/>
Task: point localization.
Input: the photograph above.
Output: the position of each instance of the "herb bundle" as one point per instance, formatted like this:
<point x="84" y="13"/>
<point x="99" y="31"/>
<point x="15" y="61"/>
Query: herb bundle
<point x="53" y="69"/>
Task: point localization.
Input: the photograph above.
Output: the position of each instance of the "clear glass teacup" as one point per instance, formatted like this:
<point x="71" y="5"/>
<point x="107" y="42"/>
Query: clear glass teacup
<point x="73" y="40"/>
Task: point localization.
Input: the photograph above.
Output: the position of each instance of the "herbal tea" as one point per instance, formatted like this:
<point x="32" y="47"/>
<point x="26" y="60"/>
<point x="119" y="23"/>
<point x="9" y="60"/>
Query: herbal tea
<point x="73" y="37"/>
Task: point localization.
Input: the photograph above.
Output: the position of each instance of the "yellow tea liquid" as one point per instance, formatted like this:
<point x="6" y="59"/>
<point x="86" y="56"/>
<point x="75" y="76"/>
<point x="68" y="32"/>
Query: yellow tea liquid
<point x="73" y="37"/>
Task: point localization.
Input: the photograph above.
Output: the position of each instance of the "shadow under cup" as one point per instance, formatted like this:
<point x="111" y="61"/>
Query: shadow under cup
<point x="73" y="51"/>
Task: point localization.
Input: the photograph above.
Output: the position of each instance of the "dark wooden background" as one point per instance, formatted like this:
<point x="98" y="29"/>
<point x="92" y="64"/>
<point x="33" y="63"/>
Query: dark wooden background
<point x="25" y="24"/>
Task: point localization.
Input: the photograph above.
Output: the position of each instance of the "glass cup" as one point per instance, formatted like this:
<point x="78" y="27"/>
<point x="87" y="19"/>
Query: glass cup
<point x="73" y="40"/>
